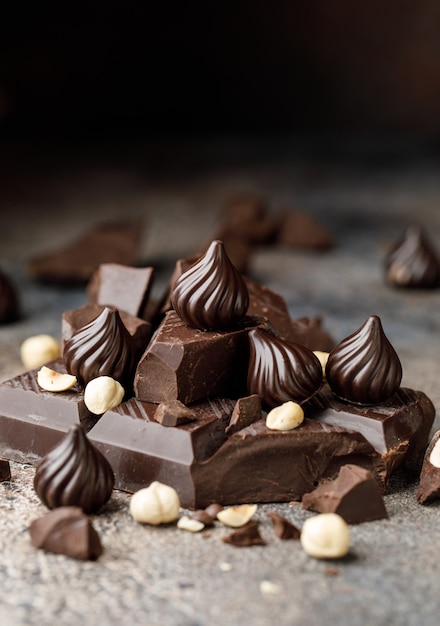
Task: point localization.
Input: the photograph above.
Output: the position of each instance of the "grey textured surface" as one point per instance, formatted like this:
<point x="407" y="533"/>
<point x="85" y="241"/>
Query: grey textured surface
<point x="162" y="575"/>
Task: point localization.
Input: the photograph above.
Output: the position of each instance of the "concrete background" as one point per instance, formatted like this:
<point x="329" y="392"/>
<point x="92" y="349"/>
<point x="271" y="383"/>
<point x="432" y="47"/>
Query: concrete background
<point x="364" y="193"/>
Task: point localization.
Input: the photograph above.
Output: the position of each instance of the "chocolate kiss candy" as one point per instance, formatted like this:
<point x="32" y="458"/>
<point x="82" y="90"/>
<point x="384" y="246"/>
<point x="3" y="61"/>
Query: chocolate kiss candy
<point x="74" y="473"/>
<point x="211" y="294"/>
<point x="280" y="371"/>
<point x="412" y="262"/>
<point x="101" y="348"/>
<point x="364" y="368"/>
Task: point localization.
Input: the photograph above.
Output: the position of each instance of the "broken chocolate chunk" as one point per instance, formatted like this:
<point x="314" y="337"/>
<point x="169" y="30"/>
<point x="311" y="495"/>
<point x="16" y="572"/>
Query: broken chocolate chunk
<point x="354" y="495"/>
<point x="412" y="261"/>
<point x="299" y="230"/>
<point x="68" y="531"/>
<point x="246" y="411"/>
<point x="248" y="535"/>
<point x="74" y="473"/>
<point x="113" y="242"/>
<point x="428" y="489"/>
<point x="283" y="528"/>
<point x="173" y="413"/>
<point x="5" y="470"/>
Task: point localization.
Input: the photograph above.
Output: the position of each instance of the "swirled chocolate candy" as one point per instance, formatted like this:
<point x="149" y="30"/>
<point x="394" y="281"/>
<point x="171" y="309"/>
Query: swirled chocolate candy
<point x="364" y="368"/>
<point x="9" y="308"/>
<point x="74" y="473"/>
<point x="280" y="371"/>
<point x="103" y="347"/>
<point x="413" y="262"/>
<point x="211" y="294"/>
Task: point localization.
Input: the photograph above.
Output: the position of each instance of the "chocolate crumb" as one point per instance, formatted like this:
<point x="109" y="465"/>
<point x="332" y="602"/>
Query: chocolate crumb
<point x="248" y="535"/>
<point x="5" y="470"/>
<point x="283" y="528"/>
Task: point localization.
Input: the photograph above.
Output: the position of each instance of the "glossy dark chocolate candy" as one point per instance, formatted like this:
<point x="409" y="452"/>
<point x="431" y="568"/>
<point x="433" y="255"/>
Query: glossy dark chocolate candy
<point x="103" y="347"/>
<point x="211" y="294"/>
<point x="280" y="371"/>
<point x="413" y="262"/>
<point x="74" y="473"/>
<point x="68" y="531"/>
<point x="354" y="495"/>
<point x="364" y="368"/>
<point x="9" y="305"/>
<point x="428" y="489"/>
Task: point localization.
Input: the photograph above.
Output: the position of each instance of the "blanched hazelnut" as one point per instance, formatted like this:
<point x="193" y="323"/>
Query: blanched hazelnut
<point x="236" y="516"/>
<point x="102" y="394"/>
<point x="156" y="504"/>
<point x="323" y="358"/>
<point x="287" y="416"/>
<point x="38" y="350"/>
<point x="191" y="524"/>
<point x="434" y="457"/>
<point x="50" y="380"/>
<point x="325" y="536"/>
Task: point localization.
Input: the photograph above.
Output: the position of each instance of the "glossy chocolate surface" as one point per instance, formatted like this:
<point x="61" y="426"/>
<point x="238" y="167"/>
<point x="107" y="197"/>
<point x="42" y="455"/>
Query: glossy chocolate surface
<point x="364" y="368"/>
<point x="74" y="473"/>
<point x="280" y="371"/>
<point x="413" y="262"/>
<point x="211" y="294"/>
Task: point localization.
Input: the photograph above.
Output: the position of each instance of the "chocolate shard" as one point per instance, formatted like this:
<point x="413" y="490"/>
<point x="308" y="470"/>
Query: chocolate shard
<point x="299" y="230"/>
<point x="428" y="489"/>
<point x="186" y="364"/>
<point x="203" y="516"/>
<point x="412" y="262"/>
<point x="9" y="301"/>
<point x="75" y="263"/>
<point x="5" y="470"/>
<point x="124" y="287"/>
<point x="173" y="413"/>
<point x="247" y="535"/>
<point x="246" y="411"/>
<point x="211" y="294"/>
<point x="280" y="371"/>
<point x="68" y="531"/>
<point x="103" y="347"/>
<point x="248" y="218"/>
<point x="283" y="528"/>
<point x="354" y="495"/>
<point x="74" y="473"/>
<point x="364" y="367"/>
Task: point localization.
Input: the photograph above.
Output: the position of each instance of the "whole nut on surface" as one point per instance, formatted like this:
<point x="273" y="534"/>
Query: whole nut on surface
<point x="434" y="457"/>
<point x="287" y="416"/>
<point x="325" y="536"/>
<point x="50" y="380"/>
<point x="38" y="350"/>
<point x="236" y="516"/>
<point x="102" y="394"/>
<point x="323" y="358"/>
<point x="156" y="504"/>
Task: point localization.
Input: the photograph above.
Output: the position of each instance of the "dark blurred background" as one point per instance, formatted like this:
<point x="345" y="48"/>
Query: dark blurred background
<point x="182" y="68"/>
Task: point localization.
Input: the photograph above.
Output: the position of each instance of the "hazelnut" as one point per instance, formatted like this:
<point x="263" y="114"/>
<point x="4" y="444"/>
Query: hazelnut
<point x="50" y="380"/>
<point x="191" y="524"/>
<point x="156" y="504"/>
<point x="434" y="457"/>
<point x="287" y="416"/>
<point x="102" y="394"/>
<point x="38" y="350"/>
<point x="323" y="358"/>
<point x="325" y="536"/>
<point x="236" y="516"/>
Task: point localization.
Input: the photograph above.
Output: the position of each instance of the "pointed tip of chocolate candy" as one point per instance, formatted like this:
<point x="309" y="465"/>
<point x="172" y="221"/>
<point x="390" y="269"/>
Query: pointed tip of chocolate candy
<point x="354" y="495"/>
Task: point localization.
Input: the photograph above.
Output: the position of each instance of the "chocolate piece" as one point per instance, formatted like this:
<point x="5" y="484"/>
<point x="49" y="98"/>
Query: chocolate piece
<point x="9" y="306"/>
<point x="211" y="294"/>
<point x="103" y="347"/>
<point x="74" y="473"/>
<point x="283" y="528"/>
<point x="213" y="509"/>
<point x="5" y="470"/>
<point x="354" y="495"/>
<point x="413" y="262"/>
<point x="125" y="288"/>
<point x="428" y="489"/>
<point x="238" y="249"/>
<point x="246" y="411"/>
<point x="248" y="218"/>
<point x="201" y="515"/>
<point x="68" y="531"/>
<point x="298" y="230"/>
<point x="33" y="420"/>
<point x="248" y="535"/>
<point x="113" y="242"/>
<point x="173" y="413"/>
<point x="186" y="364"/>
<point x="364" y="368"/>
<point x="280" y="371"/>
